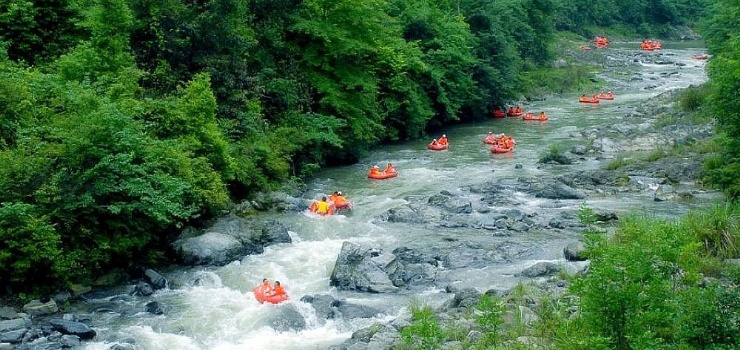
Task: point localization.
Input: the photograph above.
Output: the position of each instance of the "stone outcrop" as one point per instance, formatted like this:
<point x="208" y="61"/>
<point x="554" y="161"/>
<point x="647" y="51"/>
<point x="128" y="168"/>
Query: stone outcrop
<point x="229" y="239"/>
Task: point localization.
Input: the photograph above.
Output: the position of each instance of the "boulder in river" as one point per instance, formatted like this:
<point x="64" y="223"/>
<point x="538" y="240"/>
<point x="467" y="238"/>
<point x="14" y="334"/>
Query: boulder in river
<point x="363" y="269"/>
<point x="229" y="239"/>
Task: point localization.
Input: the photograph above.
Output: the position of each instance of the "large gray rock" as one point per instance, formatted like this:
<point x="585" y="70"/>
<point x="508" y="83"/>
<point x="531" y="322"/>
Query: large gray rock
<point x="540" y="269"/>
<point x="405" y="214"/>
<point x="667" y="192"/>
<point x="156" y="279"/>
<point x="377" y="336"/>
<point x="329" y="307"/>
<point x="13" y="337"/>
<point x="363" y="269"/>
<point x="450" y="204"/>
<point x="559" y="190"/>
<point x="229" y="239"/>
<point x="14" y="324"/>
<point x="7" y="313"/>
<point x="39" y="308"/>
<point x="286" y="318"/>
<point x="574" y="251"/>
<point x="211" y="248"/>
<point x="73" y="328"/>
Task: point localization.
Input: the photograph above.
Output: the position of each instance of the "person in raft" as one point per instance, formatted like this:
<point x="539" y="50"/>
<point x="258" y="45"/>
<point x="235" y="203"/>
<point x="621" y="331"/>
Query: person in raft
<point x="279" y="290"/>
<point x="518" y="110"/>
<point x="375" y="170"/>
<point x="443" y="140"/>
<point x="543" y="115"/>
<point x="489" y="138"/>
<point x="434" y="143"/>
<point x="265" y="288"/>
<point x="333" y="196"/>
<point x="510" y="111"/>
<point x="340" y="202"/>
<point x="389" y="169"/>
<point x="322" y="207"/>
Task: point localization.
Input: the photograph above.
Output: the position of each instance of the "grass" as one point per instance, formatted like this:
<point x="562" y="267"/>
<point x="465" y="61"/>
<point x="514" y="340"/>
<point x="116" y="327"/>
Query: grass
<point x="618" y="162"/>
<point x="655" y="154"/>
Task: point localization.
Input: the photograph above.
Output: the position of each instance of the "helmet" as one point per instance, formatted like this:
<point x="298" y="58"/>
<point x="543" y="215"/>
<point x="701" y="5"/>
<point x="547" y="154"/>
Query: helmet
<point x="490" y="132"/>
<point x="375" y="166"/>
<point x="339" y="193"/>
<point x="434" y="140"/>
<point x="443" y="135"/>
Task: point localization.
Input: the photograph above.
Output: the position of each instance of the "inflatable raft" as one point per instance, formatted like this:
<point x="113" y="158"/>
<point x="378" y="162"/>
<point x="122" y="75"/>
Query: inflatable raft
<point x="382" y="176"/>
<point x="535" y="117"/>
<point x="588" y="100"/>
<point x="608" y="96"/>
<point x="438" y="147"/>
<point x="500" y="149"/>
<point x="263" y="298"/>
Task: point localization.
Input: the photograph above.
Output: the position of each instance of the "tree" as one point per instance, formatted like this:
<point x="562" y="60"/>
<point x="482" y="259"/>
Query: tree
<point x="39" y="30"/>
<point x="721" y="33"/>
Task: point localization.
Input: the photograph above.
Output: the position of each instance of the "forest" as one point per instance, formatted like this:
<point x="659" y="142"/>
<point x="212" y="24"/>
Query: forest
<point x="123" y="121"/>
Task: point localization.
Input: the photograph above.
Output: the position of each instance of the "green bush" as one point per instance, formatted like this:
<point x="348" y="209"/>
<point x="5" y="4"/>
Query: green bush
<point x="30" y="250"/>
<point x="424" y="332"/>
<point x="490" y="319"/>
<point x="556" y="155"/>
<point x="693" y="98"/>
<point x="718" y="230"/>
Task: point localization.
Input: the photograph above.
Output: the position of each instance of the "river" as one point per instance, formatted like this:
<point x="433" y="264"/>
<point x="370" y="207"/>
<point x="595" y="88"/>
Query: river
<point x="219" y="312"/>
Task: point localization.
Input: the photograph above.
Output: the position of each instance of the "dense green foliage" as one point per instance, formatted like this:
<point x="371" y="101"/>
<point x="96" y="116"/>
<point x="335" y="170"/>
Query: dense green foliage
<point x="722" y="34"/>
<point x="653" y="18"/>
<point x="123" y="120"/>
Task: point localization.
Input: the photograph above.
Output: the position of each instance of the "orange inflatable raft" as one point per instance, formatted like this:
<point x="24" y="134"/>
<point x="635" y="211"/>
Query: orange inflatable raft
<point x="500" y="149"/>
<point x="264" y="298"/>
<point x="346" y="205"/>
<point x="438" y="147"/>
<point x="382" y="175"/>
<point x="497" y="113"/>
<point x="585" y="99"/>
<point x="701" y="57"/>
<point x="540" y="118"/>
<point x="603" y="96"/>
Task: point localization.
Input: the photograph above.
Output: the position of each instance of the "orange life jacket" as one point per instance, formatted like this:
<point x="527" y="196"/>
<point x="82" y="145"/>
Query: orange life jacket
<point x="279" y="290"/>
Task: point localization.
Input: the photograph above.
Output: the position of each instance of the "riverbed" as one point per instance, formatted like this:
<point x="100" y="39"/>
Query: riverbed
<point x="213" y="307"/>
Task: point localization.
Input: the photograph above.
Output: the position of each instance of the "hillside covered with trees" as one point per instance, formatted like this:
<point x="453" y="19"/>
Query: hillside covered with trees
<point x="121" y="121"/>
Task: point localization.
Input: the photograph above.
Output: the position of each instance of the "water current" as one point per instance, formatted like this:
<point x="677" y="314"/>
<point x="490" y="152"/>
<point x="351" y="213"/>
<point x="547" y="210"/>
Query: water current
<point x="220" y="312"/>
